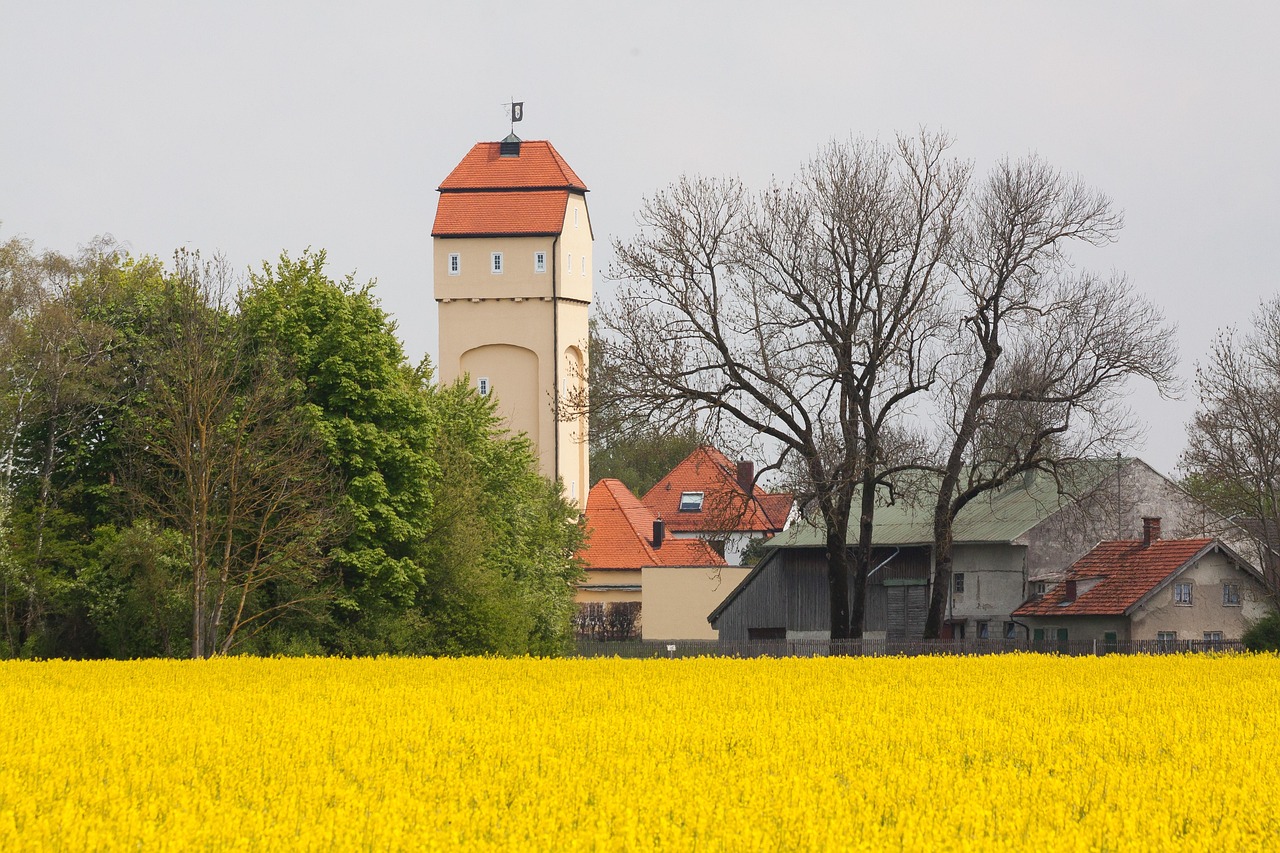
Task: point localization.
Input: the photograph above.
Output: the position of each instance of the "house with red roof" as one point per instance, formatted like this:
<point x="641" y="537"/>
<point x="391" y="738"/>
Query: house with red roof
<point x="1150" y="589"/>
<point x="709" y="497"/>
<point x="640" y="581"/>
<point x="512" y="246"/>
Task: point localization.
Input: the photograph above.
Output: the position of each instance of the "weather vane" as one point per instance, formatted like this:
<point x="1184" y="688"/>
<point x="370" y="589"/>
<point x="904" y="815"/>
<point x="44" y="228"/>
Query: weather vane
<point x="516" y="110"/>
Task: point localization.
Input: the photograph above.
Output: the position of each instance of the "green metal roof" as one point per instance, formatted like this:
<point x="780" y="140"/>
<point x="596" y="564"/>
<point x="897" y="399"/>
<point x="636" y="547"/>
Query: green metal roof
<point x="998" y="516"/>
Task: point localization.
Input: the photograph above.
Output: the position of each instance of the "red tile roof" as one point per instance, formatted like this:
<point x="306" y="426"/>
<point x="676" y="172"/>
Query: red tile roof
<point x="1125" y="572"/>
<point x="726" y="506"/>
<point x="620" y="530"/>
<point x="539" y="166"/>
<point x="506" y="196"/>
<point x="500" y="213"/>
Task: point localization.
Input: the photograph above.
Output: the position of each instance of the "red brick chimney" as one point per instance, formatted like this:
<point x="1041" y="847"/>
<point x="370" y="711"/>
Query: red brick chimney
<point x="747" y="476"/>
<point x="1069" y="591"/>
<point x="659" y="532"/>
<point x="1150" y="529"/>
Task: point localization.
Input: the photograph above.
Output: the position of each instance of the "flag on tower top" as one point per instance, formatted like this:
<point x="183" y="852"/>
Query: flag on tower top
<point x="517" y="111"/>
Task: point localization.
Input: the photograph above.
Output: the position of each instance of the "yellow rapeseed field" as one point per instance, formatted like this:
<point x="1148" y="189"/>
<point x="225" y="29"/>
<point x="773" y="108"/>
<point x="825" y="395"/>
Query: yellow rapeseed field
<point x="1018" y="752"/>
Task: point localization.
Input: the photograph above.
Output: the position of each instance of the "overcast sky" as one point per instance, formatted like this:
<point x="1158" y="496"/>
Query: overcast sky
<point x="252" y="128"/>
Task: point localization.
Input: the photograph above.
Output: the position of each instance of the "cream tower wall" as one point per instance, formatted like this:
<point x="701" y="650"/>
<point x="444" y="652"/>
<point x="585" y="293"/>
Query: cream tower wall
<point x="511" y="328"/>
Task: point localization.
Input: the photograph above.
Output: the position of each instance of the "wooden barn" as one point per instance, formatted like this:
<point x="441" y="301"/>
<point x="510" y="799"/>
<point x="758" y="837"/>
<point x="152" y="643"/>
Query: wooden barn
<point x="1009" y="544"/>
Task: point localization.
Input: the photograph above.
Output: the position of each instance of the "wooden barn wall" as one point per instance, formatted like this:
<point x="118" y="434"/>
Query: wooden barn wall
<point x="791" y="592"/>
<point x="761" y="604"/>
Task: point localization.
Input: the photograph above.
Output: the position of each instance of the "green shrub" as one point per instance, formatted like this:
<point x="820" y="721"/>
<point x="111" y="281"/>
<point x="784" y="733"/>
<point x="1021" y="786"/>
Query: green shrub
<point x="1264" y="635"/>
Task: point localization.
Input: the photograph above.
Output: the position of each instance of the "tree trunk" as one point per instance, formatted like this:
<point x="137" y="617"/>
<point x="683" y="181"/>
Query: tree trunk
<point x="941" y="584"/>
<point x="862" y="560"/>
<point x="837" y="523"/>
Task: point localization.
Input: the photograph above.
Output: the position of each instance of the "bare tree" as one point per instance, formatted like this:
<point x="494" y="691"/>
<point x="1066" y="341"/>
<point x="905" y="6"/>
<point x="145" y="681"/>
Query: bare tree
<point x="1043" y="353"/>
<point x="225" y="461"/>
<point x="804" y="316"/>
<point x="1233" y="444"/>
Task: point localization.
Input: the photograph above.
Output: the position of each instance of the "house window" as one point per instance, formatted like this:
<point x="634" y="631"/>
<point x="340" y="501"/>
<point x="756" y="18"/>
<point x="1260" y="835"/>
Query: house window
<point x="1213" y="637"/>
<point x="1166" y="640"/>
<point x="482" y="385"/>
<point x="1039" y="587"/>
<point x="1011" y="630"/>
<point x="958" y="581"/>
<point x="691" y="501"/>
<point x="984" y="630"/>
<point x="1230" y="595"/>
<point x="1182" y="593"/>
<point x="1110" y="641"/>
<point x="455" y="263"/>
<point x="539" y="261"/>
<point x="497" y="263"/>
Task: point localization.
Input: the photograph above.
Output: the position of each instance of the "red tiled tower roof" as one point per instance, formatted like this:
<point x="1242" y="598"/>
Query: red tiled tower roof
<point x="620" y="531"/>
<point x="726" y="507"/>
<point x="1125" y="572"/>
<point x="492" y="194"/>
<point x="539" y="166"/>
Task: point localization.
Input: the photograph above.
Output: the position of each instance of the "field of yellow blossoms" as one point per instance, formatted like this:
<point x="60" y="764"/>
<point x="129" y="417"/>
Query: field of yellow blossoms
<point x="1019" y="752"/>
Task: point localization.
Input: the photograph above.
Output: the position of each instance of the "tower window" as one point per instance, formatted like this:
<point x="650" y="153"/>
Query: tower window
<point x="575" y="217"/>
<point x="539" y="261"/>
<point x="569" y="266"/>
<point x="497" y="263"/>
<point x="482" y="385"/>
<point x="584" y="264"/>
<point x="455" y="263"/>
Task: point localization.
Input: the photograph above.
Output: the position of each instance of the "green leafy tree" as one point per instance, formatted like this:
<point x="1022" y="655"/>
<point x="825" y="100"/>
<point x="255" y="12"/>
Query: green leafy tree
<point x="371" y="412"/>
<point x="457" y="545"/>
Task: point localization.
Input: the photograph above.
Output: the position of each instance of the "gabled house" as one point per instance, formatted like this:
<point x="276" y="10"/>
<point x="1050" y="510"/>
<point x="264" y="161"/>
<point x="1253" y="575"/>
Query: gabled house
<point x="1009" y="544"/>
<point x="707" y="496"/>
<point x="1150" y="589"/>
<point x="639" y="581"/>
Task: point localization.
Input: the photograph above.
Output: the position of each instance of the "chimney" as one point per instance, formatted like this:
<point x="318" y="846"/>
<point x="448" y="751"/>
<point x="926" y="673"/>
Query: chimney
<point x="659" y="533"/>
<point x="1069" y="591"/>
<point x="1150" y="529"/>
<point x="747" y="476"/>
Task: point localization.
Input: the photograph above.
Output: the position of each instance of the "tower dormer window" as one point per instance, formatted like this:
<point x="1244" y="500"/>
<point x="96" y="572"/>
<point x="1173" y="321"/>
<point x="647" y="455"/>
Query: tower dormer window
<point x="497" y="263"/>
<point x="539" y="261"/>
<point x="455" y="263"/>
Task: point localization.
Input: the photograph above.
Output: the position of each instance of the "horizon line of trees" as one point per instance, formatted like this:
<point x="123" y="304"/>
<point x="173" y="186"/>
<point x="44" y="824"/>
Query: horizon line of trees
<point x="195" y="462"/>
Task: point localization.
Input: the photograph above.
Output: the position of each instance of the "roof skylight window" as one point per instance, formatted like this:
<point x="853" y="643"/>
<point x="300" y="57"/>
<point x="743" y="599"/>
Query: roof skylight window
<point x="691" y="501"/>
